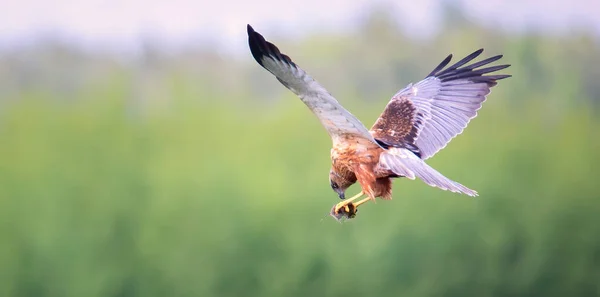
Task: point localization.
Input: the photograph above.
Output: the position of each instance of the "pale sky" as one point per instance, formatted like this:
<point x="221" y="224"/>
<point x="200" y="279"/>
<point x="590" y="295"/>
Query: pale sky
<point x="120" y="24"/>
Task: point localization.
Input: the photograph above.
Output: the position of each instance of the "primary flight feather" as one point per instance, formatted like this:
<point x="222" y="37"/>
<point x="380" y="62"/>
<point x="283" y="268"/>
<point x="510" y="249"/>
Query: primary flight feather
<point x="417" y="122"/>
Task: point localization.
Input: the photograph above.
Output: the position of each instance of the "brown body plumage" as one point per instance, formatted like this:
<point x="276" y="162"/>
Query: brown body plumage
<point x="417" y="122"/>
<point x="357" y="161"/>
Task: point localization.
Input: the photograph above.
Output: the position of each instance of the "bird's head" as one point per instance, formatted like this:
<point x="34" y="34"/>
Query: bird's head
<point x="339" y="184"/>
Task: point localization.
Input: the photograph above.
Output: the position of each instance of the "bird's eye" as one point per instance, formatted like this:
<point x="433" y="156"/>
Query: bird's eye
<point x="334" y="185"/>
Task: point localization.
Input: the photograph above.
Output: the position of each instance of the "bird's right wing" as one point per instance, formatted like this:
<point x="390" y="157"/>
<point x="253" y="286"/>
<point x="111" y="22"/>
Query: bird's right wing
<point x="338" y="121"/>
<point x="405" y="163"/>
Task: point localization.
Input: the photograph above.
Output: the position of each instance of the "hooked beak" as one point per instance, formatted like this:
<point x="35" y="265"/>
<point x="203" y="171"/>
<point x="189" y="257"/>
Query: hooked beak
<point x="341" y="194"/>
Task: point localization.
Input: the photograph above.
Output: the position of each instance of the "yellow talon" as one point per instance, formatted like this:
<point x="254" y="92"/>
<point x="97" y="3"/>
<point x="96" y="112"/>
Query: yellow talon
<point x="347" y="208"/>
<point x="344" y="204"/>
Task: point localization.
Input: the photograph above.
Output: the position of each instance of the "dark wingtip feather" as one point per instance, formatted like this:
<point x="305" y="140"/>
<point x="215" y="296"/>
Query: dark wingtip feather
<point x="260" y="48"/>
<point x="483" y="62"/>
<point x="462" y="62"/>
<point x="257" y="44"/>
<point x="500" y="76"/>
<point x="468" y="58"/>
<point x="470" y="72"/>
<point x="441" y="65"/>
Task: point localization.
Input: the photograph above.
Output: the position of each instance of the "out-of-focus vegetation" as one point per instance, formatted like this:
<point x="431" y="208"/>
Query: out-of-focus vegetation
<point x="196" y="175"/>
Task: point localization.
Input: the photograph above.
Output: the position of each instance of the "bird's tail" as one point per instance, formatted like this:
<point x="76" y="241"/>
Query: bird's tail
<point x="405" y="163"/>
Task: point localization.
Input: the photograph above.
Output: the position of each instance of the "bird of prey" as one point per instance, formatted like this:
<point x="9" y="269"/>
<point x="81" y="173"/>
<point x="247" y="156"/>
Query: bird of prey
<point x="417" y="122"/>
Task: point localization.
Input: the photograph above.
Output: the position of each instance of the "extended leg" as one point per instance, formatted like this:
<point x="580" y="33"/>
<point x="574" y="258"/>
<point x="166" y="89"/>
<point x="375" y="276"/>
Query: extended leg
<point x="357" y="204"/>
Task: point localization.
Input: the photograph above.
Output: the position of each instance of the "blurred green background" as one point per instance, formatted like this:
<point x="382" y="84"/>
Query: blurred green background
<point x="198" y="174"/>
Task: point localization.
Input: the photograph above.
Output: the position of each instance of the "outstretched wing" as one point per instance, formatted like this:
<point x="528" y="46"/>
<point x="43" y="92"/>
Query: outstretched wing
<point x="425" y="116"/>
<point x="405" y="163"/>
<point x="338" y="121"/>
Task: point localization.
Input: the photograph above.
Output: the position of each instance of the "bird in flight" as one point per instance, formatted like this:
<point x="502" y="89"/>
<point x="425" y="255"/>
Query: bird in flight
<point x="417" y="122"/>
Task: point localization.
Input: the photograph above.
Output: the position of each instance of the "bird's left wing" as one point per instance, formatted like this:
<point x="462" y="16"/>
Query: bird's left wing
<point x="425" y="116"/>
<point x="422" y="118"/>
<point x="338" y="121"/>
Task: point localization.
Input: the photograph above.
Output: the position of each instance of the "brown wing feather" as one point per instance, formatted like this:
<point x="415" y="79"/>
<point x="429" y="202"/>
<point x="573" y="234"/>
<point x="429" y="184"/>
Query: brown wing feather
<point x="397" y="123"/>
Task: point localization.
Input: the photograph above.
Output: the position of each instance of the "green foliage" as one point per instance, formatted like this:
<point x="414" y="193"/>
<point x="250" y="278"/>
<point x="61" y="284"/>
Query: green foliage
<point x="215" y="201"/>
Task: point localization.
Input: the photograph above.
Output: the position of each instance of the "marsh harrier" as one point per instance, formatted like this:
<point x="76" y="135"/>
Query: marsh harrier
<point x="417" y="122"/>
